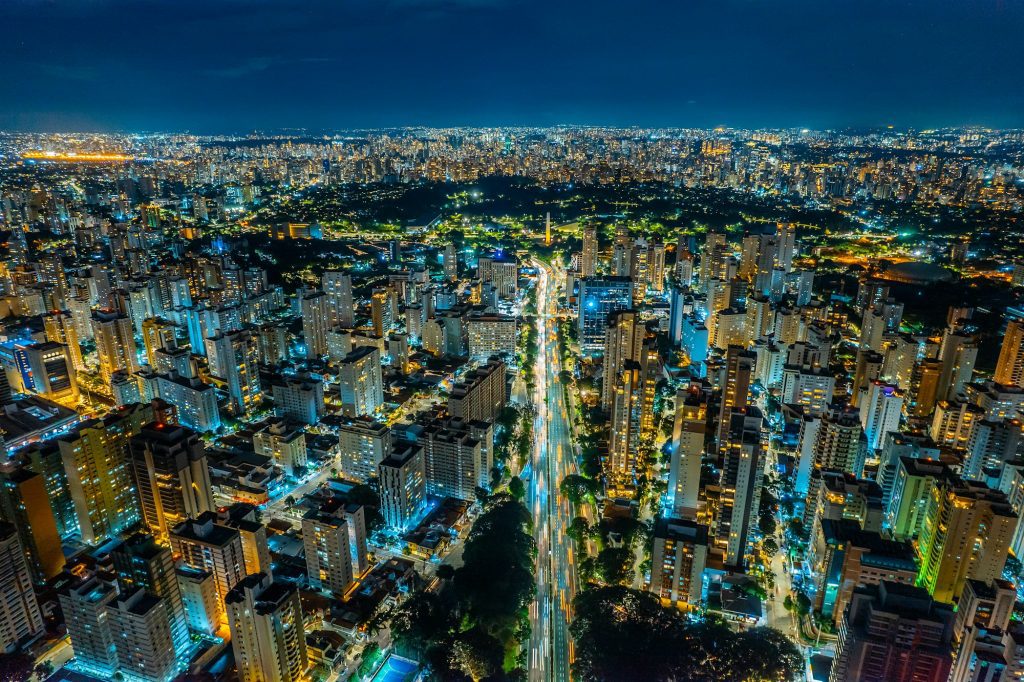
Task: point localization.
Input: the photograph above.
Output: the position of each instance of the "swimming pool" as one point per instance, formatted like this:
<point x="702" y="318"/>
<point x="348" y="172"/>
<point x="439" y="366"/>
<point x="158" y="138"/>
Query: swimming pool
<point x="395" y="669"/>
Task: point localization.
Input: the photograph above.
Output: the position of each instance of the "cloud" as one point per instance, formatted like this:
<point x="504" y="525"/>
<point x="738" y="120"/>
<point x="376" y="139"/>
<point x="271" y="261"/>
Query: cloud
<point x="255" y="65"/>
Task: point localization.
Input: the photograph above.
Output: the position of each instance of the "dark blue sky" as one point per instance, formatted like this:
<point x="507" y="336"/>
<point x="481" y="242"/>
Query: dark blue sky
<point x="234" y="65"/>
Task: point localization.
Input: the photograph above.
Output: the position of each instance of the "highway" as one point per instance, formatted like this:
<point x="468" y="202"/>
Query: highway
<point x="551" y="652"/>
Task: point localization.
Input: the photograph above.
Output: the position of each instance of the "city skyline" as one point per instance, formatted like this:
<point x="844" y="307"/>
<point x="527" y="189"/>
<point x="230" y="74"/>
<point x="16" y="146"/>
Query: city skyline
<point x="231" y="66"/>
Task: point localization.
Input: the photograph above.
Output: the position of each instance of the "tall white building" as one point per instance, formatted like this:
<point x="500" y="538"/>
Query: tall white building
<point x="360" y="382"/>
<point x="234" y="358"/>
<point x="142" y="631"/>
<point x="315" y="323"/>
<point x="880" y="412"/>
<point x="267" y="633"/>
<point x="340" y="305"/>
<point x="20" y="618"/>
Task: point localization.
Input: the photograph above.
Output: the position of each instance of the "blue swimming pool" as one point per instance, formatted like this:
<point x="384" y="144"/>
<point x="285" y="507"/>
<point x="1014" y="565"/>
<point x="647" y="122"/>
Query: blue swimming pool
<point x="395" y="669"/>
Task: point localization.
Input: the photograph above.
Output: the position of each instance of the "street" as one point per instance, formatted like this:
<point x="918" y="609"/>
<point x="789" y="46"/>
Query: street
<point x="550" y="654"/>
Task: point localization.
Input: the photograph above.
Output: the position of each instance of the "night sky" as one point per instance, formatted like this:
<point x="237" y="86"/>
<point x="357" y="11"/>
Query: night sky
<point x="236" y="65"/>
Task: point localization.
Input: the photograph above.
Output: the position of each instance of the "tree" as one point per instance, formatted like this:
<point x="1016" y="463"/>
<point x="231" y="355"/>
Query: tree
<point x="770" y="547"/>
<point x="615" y="565"/>
<point x="477" y="654"/>
<point x="577" y="488"/>
<point x="420" y="621"/>
<point x="764" y="654"/>
<point x="578" y="529"/>
<point x="624" y="634"/>
<point x="767" y="524"/>
<point x="445" y="571"/>
<point x="517" y="488"/>
<point x="803" y="604"/>
<point x="16" y="667"/>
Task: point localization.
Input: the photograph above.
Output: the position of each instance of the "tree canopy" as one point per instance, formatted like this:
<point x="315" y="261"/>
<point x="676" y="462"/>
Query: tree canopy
<point x="625" y="634"/>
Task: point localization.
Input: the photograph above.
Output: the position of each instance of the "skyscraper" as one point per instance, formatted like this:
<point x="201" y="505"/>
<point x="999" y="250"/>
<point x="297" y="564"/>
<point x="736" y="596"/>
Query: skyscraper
<point x="142" y="564"/>
<point x="20" y="618"/>
<point x="99" y="476"/>
<point x="143" y="636"/>
<point x="360" y="382"/>
<point x="623" y="342"/>
<point x="678" y="559"/>
<point x="880" y="412"/>
<point x="84" y="602"/>
<point x="688" y="434"/>
<point x="363" y="443"/>
<point x="380" y="312"/>
<point x="171" y="476"/>
<point x="739" y="375"/>
<point x="207" y="545"/>
<point x="402" y="478"/>
<point x="741" y="481"/>
<point x="266" y="630"/>
<point x="115" y="343"/>
<point x="340" y="305"/>
<point x="234" y="358"/>
<point x="25" y="505"/>
<point x="482" y="393"/>
<point x="451" y="263"/>
<point x="895" y="633"/>
<point x="315" y="323"/>
<point x="600" y="296"/>
<point x="1010" y="367"/>
<point x="588" y="262"/>
<point x="966" y="533"/>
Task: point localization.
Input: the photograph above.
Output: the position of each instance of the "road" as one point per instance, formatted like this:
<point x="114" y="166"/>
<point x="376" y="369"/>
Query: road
<point x="551" y="651"/>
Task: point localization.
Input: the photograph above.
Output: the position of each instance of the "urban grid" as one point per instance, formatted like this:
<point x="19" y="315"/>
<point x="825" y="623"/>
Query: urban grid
<point x="507" y="403"/>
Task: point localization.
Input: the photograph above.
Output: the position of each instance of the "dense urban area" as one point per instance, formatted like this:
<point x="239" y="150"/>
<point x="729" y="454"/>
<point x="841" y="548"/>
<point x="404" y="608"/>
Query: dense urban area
<point x="540" y="404"/>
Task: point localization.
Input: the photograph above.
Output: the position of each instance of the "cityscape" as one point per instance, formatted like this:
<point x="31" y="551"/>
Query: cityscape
<point x="508" y="341"/>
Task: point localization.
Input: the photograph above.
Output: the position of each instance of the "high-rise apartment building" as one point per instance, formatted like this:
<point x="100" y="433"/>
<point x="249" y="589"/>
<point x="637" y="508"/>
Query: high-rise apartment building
<point x="678" y="559"/>
<point x="363" y="444"/>
<point x="688" y="436"/>
<point x="598" y="297"/>
<point x="334" y="537"/>
<point x="171" y="476"/>
<point x="145" y="649"/>
<point x="893" y="633"/>
<point x="966" y="533"/>
<point x="360" y="382"/>
<point x="84" y="602"/>
<point x="25" y="504"/>
<point x="740" y="366"/>
<point x="99" y="478"/>
<point x="1010" y="367"/>
<point x="880" y="413"/>
<point x="20" y="618"/>
<point x="489" y="335"/>
<point x="234" y="358"/>
<point x="623" y="342"/>
<point x="315" y="323"/>
<point x="451" y="263"/>
<point x="482" y="393"/>
<point x="340" y="304"/>
<point x="283" y="443"/>
<point x="741" y="481"/>
<point x="457" y="454"/>
<point x="588" y="260"/>
<point x="206" y="544"/>
<point x="115" y="342"/>
<point x="267" y="634"/>
<point x="402" y="477"/>
<point x="142" y="564"/>
<point x="299" y="398"/>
